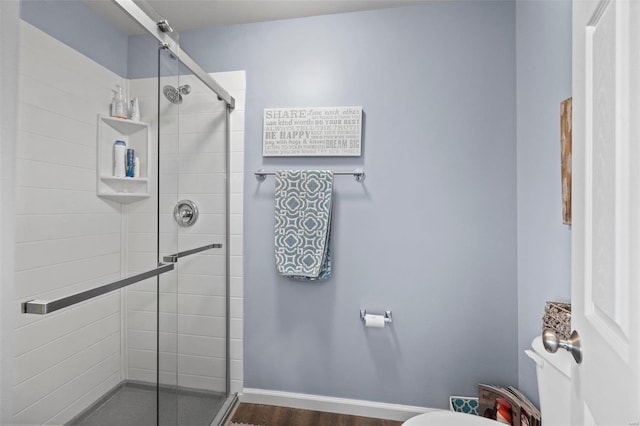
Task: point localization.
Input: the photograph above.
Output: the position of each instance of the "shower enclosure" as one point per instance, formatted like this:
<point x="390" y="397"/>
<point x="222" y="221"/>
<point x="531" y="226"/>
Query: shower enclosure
<point x="123" y="282"/>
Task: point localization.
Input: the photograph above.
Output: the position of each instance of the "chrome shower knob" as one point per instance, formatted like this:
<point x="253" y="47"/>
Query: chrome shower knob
<point x="185" y="213"/>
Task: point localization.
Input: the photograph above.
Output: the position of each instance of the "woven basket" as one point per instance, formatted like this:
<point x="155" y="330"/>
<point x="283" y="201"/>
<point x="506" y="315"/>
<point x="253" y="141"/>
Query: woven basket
<point x="557" y="317"/>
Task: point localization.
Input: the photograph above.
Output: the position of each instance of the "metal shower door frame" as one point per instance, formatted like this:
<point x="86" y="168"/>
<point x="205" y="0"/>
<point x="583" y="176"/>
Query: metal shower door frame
<point x="152" y="27"/>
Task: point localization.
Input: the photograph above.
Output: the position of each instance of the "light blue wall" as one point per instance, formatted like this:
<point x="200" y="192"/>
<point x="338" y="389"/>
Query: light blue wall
<point x="544" y="243"/>
<point x="80" y="27"/>
<point x="142" y="57"/>
<point x="430" y="234"/>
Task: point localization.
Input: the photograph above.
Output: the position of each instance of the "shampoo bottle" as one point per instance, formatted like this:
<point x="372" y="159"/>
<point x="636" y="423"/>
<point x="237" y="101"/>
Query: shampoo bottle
<point x="118" y="105"/>
<point x="119" y="154"/>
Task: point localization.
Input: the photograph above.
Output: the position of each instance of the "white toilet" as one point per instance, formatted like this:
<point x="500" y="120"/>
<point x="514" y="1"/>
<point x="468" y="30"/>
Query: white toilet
<point x="554" y="383"/>
<point x="554" y="389"/>
<point x="448" y="418"/>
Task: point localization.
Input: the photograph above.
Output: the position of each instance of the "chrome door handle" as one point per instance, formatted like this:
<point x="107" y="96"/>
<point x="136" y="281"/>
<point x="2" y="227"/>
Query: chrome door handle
<point x="173" y="258"/>
<point x="552" y="343"/>
<point x="42" y="307"/>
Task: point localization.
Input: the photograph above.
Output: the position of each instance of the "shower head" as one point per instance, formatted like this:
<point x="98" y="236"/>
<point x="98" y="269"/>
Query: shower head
<point x="175" y="95"/>
<point x="172" y="94"/>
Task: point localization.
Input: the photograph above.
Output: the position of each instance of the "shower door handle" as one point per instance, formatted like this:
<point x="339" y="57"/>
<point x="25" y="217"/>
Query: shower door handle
<point x="42" y="307"/>
<point x="173" y="258"/>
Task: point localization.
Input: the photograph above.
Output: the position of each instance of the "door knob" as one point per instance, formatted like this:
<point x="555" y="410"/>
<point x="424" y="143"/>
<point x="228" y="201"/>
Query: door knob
<point x="552" y="343"/>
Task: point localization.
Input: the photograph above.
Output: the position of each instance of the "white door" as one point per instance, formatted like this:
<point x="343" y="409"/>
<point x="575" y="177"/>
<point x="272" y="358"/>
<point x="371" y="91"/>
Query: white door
<point x="606" y="211"/>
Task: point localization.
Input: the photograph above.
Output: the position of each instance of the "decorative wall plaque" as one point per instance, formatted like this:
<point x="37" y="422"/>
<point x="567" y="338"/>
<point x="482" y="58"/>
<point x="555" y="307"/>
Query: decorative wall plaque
<point x="312" y="132"/>
<point x="565" y="158"/>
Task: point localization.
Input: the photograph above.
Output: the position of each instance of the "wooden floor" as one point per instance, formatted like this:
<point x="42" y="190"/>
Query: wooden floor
<point x="268" y="415"/>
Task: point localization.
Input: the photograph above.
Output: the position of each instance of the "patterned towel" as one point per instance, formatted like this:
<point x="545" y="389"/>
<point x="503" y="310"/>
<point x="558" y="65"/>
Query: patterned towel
<point x="303" y="223"/>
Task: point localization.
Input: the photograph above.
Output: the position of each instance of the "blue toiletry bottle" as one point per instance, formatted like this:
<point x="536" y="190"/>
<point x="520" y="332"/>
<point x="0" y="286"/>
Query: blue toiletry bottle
<point x="130" y="157"/>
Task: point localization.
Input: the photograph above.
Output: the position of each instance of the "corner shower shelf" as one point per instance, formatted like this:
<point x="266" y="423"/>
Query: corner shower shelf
<point x="136" y="135"/>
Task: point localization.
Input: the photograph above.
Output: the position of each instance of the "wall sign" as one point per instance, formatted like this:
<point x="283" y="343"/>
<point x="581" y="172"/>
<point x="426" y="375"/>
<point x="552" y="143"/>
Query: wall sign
<point x="312" y="132"/>
<point x="565" y="158"/>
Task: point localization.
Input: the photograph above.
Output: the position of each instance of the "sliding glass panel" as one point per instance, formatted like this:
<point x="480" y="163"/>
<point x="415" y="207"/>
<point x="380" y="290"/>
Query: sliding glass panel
<point x="82" y="223"/>
<point x="153" y="352"/>
<point x="202" y="276"/>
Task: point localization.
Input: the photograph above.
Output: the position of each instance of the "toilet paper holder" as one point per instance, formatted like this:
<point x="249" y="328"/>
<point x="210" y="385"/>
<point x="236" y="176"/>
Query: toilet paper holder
<point x="388" y="319"/>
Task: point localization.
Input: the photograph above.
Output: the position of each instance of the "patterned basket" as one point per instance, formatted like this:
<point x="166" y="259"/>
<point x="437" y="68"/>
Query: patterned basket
<point x="557" y="317"/>
<point x="463" y="404"/>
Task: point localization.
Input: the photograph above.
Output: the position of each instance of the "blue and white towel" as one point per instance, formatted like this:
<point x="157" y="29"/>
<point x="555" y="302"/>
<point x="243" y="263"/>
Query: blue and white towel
<point x="303" y="223"/>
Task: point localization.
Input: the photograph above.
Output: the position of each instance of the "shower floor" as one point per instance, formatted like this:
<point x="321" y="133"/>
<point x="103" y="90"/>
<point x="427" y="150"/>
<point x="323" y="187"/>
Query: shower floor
<point x="133" y="404"/>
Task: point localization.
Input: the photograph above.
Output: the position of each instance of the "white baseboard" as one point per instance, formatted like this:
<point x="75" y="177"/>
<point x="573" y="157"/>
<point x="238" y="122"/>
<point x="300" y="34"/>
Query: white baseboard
<point x="354" y="407"/>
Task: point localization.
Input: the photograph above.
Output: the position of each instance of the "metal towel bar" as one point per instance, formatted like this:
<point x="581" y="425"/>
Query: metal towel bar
<point x="358" y="174"/>
<point x="43" y="307"/>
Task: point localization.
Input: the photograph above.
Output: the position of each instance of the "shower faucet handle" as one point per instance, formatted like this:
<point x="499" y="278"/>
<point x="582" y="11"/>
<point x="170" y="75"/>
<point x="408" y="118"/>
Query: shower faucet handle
<point x="185" y="213"/>
<point x="551" y="343"/>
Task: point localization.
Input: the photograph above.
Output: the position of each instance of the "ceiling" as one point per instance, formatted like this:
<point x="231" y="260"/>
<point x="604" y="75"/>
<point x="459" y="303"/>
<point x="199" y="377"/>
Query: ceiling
<point x="191" y="14"/>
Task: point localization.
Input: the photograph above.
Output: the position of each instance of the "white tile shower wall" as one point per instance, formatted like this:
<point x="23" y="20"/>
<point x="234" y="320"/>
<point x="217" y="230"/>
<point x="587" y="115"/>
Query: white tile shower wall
<point x="67" y="239"/>
<point x="9" y="44"/>
<point x="192" y="303"/>
<point x="235" y="83"/>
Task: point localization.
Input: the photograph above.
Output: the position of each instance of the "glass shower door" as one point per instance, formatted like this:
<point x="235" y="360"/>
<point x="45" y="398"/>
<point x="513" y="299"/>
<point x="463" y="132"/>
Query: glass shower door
<point x="149" y="344"/>
<point x="194" y="159"/>
<point x="87" y="243"/>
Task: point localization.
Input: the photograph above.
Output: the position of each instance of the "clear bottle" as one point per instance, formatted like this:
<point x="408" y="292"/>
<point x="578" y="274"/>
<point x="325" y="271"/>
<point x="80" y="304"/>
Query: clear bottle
<point x="119" y="107"/>
<point x="134" y="109"/>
